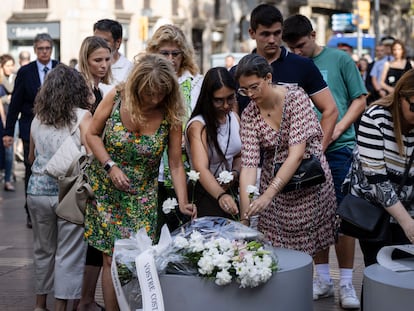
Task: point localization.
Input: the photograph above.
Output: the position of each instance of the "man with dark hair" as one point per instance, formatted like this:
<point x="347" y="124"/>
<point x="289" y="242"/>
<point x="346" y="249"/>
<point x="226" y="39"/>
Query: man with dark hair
<point x="29" y="78"/>
<point x="346" y="48"/>
<point x="111" y="32"/>
<point x="348" y="89"/>
<point x="266" y="23"/>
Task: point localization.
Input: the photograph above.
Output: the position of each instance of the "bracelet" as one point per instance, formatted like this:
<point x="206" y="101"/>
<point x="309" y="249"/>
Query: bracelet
<point x="220" y="195"/>
<point x="277" y="183"/>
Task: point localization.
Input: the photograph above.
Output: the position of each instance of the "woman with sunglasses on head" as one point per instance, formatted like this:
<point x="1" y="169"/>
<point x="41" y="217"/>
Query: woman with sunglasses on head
<point x="170" y="42"/>
<point x="385" y="143"/>
<point x="213" y="145"/>
<point x="280" y="121"/>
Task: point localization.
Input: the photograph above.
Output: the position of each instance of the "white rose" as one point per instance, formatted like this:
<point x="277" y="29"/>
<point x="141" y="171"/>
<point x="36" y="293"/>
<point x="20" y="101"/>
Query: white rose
<point x="193" y="175"/>
<point x="169" y="205"/>
<point x="225" y="177"/>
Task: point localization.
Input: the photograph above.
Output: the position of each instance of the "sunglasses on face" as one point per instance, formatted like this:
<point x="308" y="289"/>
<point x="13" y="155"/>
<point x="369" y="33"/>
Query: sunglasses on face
<point x="167" y="54"/>
<point x="411" y="104"/>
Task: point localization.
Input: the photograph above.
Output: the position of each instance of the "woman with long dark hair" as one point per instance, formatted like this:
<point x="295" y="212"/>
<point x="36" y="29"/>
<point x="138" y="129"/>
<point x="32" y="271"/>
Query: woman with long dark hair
<point x="213" y="144"/>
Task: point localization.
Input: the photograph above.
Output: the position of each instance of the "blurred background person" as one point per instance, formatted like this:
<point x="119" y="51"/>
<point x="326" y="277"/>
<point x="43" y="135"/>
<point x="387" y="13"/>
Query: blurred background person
<point x="395" y="68"/>
<point x="170" y="42"/>
<point x="7" y="76"/>
<point x="229" y="61"/>
<point x="363" y="65"/>
<point x="58" y="245"/>
<point x="346" y="48"/>
<point x="28" y="81"/>
<point x="24" y="58"/>
<point x="213" y="145"/>
<point x="73" y="62"/>
<point x="375" y="73"/>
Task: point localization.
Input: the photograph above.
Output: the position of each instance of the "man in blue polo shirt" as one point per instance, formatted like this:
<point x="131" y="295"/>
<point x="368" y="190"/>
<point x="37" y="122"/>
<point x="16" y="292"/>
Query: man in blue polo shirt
<point x="266" y="24"/>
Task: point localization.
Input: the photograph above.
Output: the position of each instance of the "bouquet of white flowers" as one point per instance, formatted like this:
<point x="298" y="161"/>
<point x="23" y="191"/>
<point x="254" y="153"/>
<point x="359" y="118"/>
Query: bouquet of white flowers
<point x="223" y="250"/>
<point x="212" y="247"/>
<point x="224" y="260"/>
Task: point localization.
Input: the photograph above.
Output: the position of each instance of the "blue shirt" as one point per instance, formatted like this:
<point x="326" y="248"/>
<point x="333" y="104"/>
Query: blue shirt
<point x="290" y="68"/>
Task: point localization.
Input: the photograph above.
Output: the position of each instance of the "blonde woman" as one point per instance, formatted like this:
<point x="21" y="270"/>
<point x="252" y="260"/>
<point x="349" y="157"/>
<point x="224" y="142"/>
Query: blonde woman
<point x="170" y="42"/>
<point x="95" y="64"/>
<point x="148" y="118"/>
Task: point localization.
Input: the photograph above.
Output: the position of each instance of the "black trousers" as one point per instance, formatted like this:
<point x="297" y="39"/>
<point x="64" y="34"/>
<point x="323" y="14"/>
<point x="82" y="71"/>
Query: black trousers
<point x="371" y="249"/>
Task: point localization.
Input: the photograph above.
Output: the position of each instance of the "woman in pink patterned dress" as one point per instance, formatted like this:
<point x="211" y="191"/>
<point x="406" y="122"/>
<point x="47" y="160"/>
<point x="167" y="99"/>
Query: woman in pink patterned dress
<point x="280" y="118"/>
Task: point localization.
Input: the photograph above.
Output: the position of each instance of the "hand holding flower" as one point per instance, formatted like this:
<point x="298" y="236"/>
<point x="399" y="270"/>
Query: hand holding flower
<point x="169" y="206"/>
<point x="225" y="180"/>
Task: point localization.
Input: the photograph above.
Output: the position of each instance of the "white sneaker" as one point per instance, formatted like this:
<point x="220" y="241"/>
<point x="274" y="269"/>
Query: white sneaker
<point x="348" y="298"/>
<point x="322" y="289"/>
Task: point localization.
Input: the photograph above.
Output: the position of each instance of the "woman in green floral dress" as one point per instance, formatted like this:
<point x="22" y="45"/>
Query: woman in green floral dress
<point x="142" y="117"/>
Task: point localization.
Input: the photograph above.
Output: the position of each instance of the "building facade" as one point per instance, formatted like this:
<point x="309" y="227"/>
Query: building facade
<point x="214" y="26"/>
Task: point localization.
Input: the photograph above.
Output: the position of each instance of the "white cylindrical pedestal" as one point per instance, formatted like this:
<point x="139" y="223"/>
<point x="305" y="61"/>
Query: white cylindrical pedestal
<point x="386" y="290"/>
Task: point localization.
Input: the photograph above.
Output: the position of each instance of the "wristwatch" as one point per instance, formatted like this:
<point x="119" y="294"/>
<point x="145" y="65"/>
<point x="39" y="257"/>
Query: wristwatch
<point x="108" y="165"/>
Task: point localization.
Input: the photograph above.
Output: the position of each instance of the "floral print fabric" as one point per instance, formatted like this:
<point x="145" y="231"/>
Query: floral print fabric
<point x="117" y="214"/>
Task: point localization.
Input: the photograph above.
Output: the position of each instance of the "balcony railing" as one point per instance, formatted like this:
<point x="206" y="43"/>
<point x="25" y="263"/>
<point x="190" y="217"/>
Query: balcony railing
<point x="35" y="4"/>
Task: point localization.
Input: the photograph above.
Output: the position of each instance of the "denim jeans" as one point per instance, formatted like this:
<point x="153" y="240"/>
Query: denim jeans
<point x="8" y="163"/>
<point x="339" y="162"/>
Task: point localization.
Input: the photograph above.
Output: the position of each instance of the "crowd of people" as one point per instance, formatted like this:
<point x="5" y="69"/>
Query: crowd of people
<point x="150" y="121"/>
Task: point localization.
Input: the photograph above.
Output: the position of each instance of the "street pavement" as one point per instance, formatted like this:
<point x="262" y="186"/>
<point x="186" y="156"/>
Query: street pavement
<point x="16" y="258"/>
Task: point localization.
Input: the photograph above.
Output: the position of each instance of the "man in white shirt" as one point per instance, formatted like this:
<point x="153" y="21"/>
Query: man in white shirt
<point x="111" y="32"/>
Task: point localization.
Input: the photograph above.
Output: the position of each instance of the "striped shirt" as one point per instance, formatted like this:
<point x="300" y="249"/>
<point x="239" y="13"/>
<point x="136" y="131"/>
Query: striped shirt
<point x="378" y="167"/>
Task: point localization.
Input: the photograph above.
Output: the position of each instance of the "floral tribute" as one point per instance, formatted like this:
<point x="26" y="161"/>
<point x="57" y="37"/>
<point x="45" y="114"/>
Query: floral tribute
<point x="225" y="260"/>
<point x="216" y="248"/>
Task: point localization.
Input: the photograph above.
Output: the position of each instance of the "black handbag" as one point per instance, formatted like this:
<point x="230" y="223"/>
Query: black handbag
<point x="309" y="173"/>
<point x="364" y="220"/>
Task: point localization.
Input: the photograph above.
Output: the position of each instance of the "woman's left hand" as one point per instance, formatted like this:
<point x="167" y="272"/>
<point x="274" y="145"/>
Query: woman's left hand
<point x="409" y="230"/>
<point x="258" y="205"/>
<point x="120" y="180"/>
<point x="189" y="209"/>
